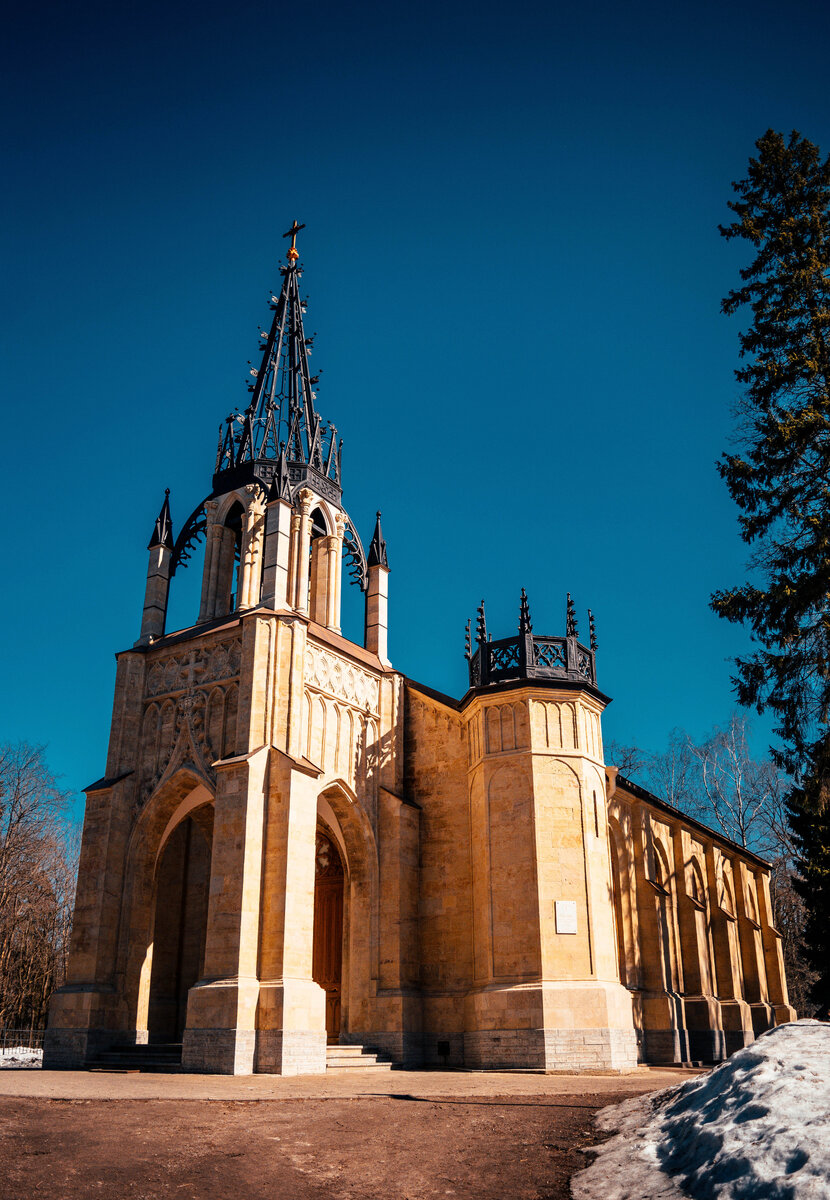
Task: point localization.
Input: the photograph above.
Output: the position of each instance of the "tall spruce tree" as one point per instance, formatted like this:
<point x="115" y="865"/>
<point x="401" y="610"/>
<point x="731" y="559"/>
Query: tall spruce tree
<point x="780" y="481"/>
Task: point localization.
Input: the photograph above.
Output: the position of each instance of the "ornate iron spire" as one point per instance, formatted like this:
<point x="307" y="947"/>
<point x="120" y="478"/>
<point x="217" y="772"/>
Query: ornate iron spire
<point x="377" y="550"/>
<point x="283" y="395"/>
<point x="524" y="614"/>
<point x="162" y="534"/>
<point x="593" y="631"/>
<point x="570" y="619"/>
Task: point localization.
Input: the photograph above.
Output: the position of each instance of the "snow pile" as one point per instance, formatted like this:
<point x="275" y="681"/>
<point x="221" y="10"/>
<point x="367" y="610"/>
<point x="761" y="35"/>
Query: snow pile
<point x="20" y="1056"/>
<point x="755" y="1128"/>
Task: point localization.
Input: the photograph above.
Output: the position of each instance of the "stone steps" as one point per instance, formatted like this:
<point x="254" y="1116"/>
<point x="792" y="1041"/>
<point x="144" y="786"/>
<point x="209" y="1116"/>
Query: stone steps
<point x="354" y="1058"/>
<point x="165" y="1058"/>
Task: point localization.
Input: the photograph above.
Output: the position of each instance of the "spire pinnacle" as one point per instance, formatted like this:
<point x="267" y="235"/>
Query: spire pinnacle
<point x="377" y="550"/>
<point x="592" y="630"/>
<point x="481" y="625"/>
<point x="280" y="488"/>
<point x="468" y="641"/>
<point x="570" y="619"/>
<point x="162" y="534"/>
<point x="524" y="614"/>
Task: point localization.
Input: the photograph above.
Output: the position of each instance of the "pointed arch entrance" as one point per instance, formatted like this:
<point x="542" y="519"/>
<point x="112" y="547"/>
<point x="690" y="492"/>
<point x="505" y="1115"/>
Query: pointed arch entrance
<point x="180" y="924"/>
<point x="327" y="958"/>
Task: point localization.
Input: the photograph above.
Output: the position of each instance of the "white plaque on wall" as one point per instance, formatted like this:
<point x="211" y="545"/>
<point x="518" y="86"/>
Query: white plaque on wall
<point x="565" y="916"/>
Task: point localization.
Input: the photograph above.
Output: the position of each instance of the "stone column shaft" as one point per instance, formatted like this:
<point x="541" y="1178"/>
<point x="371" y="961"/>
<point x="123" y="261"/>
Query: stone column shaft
<point x="377" y="602"/>
<point x="209" y="568"/>
<point x="276" y="555"/>
<point x="318" y="599"/>
<point x="220" y="1033"/>
<point x="250" y="573"/>
<point x="155" y="594"/>
<point x="303" y="544"/>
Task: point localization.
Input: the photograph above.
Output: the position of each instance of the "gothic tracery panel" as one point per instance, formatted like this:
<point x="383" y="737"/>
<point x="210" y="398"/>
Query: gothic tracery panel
<point x="338" y="677"/>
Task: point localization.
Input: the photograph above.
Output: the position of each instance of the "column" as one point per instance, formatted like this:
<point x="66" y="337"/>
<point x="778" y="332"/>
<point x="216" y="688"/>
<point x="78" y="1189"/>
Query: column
<point x="736" y="1017"/>
<point x="220" y="1034"/>
<point x="318" y="600"/>
<point x="303" y="542"/>
<point x="291" y="1027"/>
<point x="209" y="569"/>
<point x="156" y="592"/>
<point x="250" y="575"/>
<point x="377" y="601"/>
<point x="773" y="954"/>
<point x="276" y="554"/>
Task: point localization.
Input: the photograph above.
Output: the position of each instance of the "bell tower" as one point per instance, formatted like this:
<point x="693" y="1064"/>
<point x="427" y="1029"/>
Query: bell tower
<point x="237" y="743"/>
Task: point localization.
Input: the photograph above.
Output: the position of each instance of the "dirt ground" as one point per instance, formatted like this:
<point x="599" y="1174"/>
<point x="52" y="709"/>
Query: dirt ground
<point x="366" y="1147"/>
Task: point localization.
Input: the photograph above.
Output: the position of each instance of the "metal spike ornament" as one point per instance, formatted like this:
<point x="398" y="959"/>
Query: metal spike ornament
<point x="593" y="630"/>
<point x="570" y="619"/>
<point x="481" y="625"/>
<point x="524" y="614"/>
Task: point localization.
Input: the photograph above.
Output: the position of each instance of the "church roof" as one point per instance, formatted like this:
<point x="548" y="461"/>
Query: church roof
<point x="282" y="413"/>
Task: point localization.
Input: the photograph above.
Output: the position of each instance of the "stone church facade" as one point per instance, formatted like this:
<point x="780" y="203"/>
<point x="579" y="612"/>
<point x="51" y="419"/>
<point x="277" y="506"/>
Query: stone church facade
<point x="295" y="846"/>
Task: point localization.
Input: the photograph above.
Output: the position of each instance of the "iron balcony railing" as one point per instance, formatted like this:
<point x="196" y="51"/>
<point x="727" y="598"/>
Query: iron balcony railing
<point x="532" y="656"/>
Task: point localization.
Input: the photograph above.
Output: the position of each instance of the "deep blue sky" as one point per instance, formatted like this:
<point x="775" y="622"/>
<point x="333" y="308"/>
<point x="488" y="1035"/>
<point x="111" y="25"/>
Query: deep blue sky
<point x="514" y="271"/>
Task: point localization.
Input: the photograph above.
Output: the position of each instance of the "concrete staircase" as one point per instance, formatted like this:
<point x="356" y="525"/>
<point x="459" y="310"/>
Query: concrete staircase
<point x="353" y="1058"/>
<point x="163" y="1058"/>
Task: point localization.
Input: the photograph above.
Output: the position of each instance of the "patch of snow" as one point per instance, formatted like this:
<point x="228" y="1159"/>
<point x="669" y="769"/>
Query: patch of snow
<point x="20" y="1056"/>
<point x="755" y="1128"/>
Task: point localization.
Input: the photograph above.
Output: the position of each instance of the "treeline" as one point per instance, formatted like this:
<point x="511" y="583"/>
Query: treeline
<point x="719" y="782"/>
<point x="38" y="868"/>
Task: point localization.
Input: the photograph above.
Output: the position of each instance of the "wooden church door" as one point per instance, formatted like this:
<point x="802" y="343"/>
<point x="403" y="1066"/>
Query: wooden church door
<point x="327" y="958"/>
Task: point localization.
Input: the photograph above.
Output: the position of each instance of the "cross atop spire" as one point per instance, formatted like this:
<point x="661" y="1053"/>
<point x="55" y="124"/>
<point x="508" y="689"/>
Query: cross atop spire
<point x="282" y="407"/>
<point x="293" y="253"/>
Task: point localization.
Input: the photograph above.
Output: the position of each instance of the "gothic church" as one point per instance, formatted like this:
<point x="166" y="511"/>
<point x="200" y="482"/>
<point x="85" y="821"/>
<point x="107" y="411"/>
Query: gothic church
<point x="296" y="851"/>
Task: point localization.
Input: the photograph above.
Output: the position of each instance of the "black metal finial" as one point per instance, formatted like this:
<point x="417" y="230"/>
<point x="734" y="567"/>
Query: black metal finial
<point x="524" y="614"/>
<point x="570" y="619"/>
<point x="468" y="641"/>
<point x="377" y="549"/>
<point x="481" y="625"/>
<point x="593" y="630"/>
<point x="162" y="534"/>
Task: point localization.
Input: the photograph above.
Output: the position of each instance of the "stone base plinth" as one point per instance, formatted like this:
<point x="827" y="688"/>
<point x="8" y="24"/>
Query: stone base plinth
<point x="579" y="1025"/>
<point x="219" y="1051"/>
<point x="69" y="1049"/>
<point x="79" y="1016"/>
<point x="290" y="1052"/>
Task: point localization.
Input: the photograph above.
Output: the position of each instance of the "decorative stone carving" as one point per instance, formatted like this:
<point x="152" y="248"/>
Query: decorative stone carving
<point x="327" y="860"/>
<point x="209" y="664"/>
<point x="188" y="679"/>
<point x="340" y="678"/>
